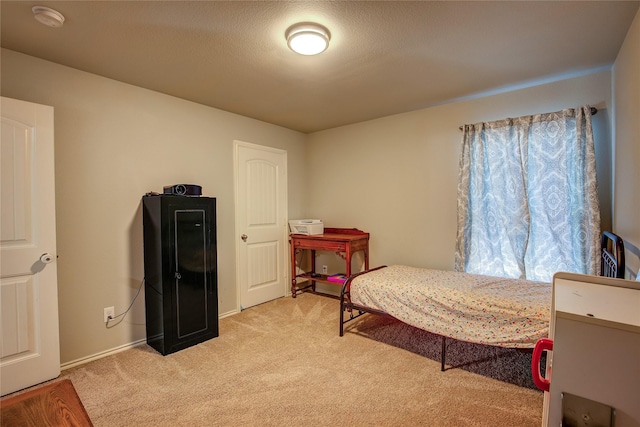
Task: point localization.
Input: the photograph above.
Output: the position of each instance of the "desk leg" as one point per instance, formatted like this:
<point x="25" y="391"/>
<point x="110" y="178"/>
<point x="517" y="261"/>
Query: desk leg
<point x="293" y="270"/>
<point x="313" y="268"/>
<point x="366" y="258"/>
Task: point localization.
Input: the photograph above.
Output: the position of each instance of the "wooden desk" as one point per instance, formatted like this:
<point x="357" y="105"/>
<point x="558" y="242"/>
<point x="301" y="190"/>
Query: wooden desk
<point x="339" y="240"/>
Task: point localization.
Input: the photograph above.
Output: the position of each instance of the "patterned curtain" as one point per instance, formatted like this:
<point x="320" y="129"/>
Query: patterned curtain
<point x="528" y="197"/>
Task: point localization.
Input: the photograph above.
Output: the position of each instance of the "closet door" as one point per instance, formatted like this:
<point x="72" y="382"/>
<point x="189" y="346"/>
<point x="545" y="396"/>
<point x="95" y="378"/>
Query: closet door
<point x="262" y="251"/>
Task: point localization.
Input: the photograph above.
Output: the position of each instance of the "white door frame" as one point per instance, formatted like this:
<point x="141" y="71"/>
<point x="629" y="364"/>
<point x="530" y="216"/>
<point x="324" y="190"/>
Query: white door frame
<point x="238" y="225"/>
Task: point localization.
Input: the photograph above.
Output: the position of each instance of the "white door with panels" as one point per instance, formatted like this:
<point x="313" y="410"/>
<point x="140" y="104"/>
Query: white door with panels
<point x="29" y="344"/>
<point x="261" y="223"/>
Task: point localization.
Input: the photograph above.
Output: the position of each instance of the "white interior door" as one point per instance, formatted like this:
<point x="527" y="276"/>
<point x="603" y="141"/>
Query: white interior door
<point x="261" y="223"/>
<point x="29" y="344"/>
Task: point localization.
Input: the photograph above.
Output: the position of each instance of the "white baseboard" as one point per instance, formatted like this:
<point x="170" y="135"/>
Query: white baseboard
<point x="328" y="288"/>
<point x="102" y="354"/>
<point x="228" y="313"/>
<point x="123" y="347"/>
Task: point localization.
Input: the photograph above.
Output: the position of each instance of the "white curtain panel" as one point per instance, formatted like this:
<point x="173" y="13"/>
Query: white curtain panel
<point x="528" y="197"/>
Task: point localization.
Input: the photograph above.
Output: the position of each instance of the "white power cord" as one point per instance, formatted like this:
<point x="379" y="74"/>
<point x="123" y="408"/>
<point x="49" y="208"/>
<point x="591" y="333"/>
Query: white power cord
<point x="110" y="318"/>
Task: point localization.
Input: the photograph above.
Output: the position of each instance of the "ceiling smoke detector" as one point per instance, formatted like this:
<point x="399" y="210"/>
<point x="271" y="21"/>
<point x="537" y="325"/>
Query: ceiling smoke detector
<point x="48" y="16"/>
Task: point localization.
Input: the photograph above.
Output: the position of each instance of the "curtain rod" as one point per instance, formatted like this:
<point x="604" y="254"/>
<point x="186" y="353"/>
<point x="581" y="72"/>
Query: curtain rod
<point x="594" y="111"/>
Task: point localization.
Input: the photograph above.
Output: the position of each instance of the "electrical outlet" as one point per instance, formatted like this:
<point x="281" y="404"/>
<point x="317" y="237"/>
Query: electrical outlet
<point x="109" y="313"/>
<point x="324" y="269"/>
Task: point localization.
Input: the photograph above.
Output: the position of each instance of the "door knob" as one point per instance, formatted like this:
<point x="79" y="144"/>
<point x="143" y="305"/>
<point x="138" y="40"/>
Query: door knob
<point x="47" y="258"/>
<point x="244" y="237"/>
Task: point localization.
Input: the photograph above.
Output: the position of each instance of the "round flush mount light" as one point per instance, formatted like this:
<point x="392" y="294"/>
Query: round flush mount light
<point x="307" y="38"/>
<point x="48" y="16"/>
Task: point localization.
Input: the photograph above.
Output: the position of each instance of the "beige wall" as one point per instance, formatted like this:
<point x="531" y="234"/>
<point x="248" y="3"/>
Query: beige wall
<point x="396" y="177"/>
<point x="113" y="143"/>
<point x="626" y="80"/>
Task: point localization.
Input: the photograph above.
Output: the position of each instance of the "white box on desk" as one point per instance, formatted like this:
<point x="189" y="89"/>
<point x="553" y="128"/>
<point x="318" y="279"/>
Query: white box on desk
<point x="309" y="227"/>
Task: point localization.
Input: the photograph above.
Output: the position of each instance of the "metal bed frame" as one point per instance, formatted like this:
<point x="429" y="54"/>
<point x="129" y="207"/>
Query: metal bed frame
<point x="347" y="305"/>
<point x="612" y="266"/>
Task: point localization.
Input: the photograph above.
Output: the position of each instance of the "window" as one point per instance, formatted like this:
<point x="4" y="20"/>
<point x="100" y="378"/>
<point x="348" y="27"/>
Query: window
<point x="527" y="197"/>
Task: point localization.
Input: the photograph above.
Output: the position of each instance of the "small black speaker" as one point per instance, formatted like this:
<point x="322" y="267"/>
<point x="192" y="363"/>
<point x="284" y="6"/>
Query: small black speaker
<point x="183" y="190"/>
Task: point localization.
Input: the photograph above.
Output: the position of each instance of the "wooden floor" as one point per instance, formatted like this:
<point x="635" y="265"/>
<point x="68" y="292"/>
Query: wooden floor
<point x="55" y="404"/>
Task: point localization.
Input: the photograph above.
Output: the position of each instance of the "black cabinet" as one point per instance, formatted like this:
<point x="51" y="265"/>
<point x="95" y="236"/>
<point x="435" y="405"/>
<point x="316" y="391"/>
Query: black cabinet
<point x="180" y="268"/>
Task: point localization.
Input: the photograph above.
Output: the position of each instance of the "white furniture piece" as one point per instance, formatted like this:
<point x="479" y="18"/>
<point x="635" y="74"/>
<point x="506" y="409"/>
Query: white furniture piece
<point x="595" y="328"/>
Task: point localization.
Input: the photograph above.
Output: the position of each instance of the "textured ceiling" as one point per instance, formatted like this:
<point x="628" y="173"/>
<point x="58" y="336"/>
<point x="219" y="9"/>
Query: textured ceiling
<point x="385" y="57"/>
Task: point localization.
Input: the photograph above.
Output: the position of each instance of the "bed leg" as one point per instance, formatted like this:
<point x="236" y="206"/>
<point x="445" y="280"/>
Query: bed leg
<point x="342" y="315"/>
<point x="443" y="354"/>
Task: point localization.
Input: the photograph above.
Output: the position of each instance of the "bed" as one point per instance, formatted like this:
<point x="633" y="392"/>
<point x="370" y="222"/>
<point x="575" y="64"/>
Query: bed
<point x="511" y="313"/>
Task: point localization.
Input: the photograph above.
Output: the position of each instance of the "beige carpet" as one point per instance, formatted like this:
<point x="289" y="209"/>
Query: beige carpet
<point x="283" y="364"/>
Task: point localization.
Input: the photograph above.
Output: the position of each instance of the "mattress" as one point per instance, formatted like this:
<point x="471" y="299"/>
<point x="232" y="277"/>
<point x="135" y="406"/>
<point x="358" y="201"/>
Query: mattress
<point x="489" y="310"/>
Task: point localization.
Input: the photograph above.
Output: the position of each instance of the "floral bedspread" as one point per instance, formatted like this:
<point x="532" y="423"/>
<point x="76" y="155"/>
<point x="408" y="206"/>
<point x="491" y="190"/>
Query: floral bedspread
<point x="482" y="309"/>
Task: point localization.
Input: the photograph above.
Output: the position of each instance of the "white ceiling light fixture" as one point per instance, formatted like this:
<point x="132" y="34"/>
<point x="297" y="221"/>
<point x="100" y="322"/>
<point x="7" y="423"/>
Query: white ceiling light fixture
<point x="307" y="38"/>
<point x="48" y="16"/>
